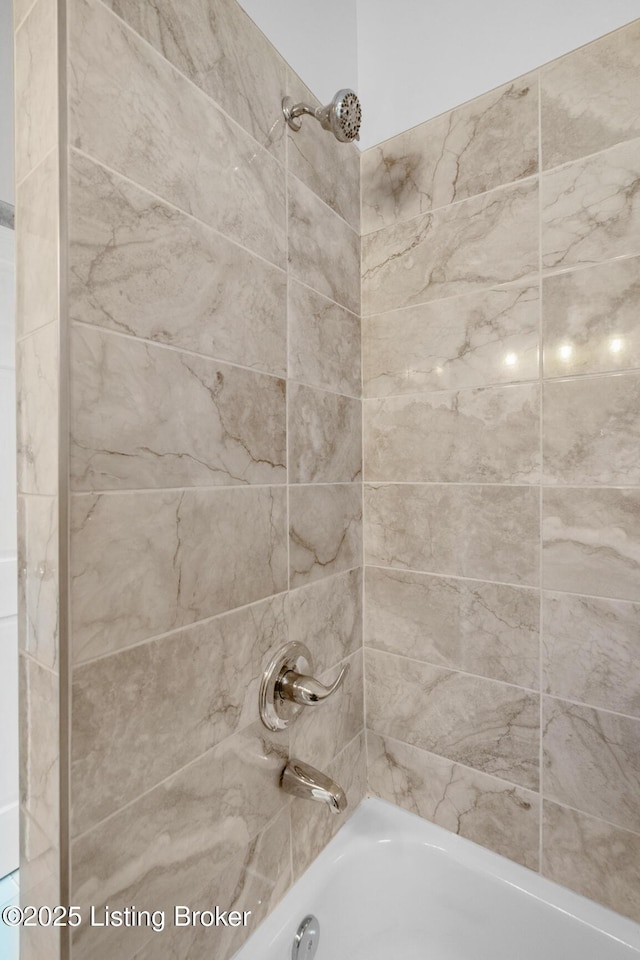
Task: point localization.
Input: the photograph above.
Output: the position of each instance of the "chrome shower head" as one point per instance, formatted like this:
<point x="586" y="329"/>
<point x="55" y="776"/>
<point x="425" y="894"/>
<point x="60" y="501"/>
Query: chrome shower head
<point x="342" y="116"/>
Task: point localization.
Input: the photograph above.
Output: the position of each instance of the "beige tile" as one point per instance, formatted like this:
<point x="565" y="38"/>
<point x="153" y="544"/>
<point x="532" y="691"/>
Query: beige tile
<point x="20" y="10"/>
<point x="124" y="739"/>
<point x="312" y="826"/>
<point x="325" y="531"/>
<point x="588" y="97"/>
<point x="591" y="430"/>
<point x="490" y="726"/>
<point x="254" y="883"/>
<point x="324" y="342"/>
<point x="590" y="319"/>
<point x="36" y="268"/>
<point x="591" y="542"/>
<point x="39" y="863"/>
<point x="478" y="243"/>
<point x="590" y="209"/>
<point x="491" y="141"/>
<point x="324" y="252"/>
<point x="328" y="167"/>
<point x="144" y="268"/>
<point x="325" y="436"/>
<point x="39" y="884"/>
<point x="143" y="416"/>
<point x="37" y="408"/>
<point x="323" y="731"/>
<point x="38" y="579"/>
<point x="327" y="617"/>
<point x="599" y="861"/>
<point x="163" y="845"/>
<point x="180" y="146"/>
<point x="36" y="85"/>
<point x="591" y="651"/>
<point x="485" y="532"/>
<point x="39" y="746"/>
<point x="488" y="435"/>
<point x="140" y="565"/>
<point x="468" y="341"/>
<point x="482" y="628"/>
<point x="473" y="805"/>
<point x="223" y="52"/>
<point x="592" y="761"/>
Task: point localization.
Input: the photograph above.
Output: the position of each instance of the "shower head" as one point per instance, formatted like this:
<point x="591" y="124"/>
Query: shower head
<point x="342" y="116"/>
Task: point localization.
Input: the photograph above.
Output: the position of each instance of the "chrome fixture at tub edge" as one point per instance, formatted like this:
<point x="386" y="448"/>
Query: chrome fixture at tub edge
<point x="342" y="117"/>
<point x="288" y="685"/>
<point x="305" y="942"/>
<point x="304" y="781"/>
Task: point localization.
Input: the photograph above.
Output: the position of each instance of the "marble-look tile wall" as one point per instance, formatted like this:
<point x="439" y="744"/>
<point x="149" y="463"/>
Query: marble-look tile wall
<point x="215" y="463"/>
<point x="214" y="460"/>
<point x="501" y="290"/>
<point x="38" y="323"/>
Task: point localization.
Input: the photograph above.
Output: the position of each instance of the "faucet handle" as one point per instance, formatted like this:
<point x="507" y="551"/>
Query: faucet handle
<point x="307" y="691"/>
<point x="288" y="685"/>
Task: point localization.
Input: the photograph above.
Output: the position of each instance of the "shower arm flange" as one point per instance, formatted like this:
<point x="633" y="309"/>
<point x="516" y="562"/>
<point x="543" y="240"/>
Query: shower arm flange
<point x="293" y="110"/>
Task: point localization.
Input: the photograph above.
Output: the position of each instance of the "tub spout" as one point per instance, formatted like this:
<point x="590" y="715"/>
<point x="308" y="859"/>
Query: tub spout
<point x="302" y="780"/>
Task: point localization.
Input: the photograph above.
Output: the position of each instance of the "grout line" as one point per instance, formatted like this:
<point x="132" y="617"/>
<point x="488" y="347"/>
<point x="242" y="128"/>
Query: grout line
<point x="176" y="348"/>
<point x="364" y="515"/>
<point x="441" y="756"/>
<point x="32" y="659"/>
<point x="169" y="634"/>
<point x="540" y="173"/>
<point x="325" y="296"/>
<point x="212" y="488"/>
<point x="523" y="283"/>
<point x="176" y="631"/>
<point x="178" y="772"/>
<point x="173" y="206"/>
<point x="40" y="163"/>
<point x="503" y="384"/>
<point x="450" y="576"/>
<point x="454" y="670"/>
<point x="204" y="223"/>
<point x="335" y="213"/>
<point x="501" y="583"/>
<point x="424" y="214"/>
<point x="173" y="69"/>
<point x="591" y="816"/>
<point x="517" y="485"/>
<point x="540" y="493"/>
<point x="590" y="706"/>
<point x="25" y="17"/>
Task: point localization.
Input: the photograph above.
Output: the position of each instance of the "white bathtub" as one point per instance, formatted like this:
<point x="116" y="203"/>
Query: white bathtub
<point x="391" y="886"/>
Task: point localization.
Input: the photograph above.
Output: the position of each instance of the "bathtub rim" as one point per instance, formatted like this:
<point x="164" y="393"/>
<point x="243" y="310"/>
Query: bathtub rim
<point x="378" y="821"/>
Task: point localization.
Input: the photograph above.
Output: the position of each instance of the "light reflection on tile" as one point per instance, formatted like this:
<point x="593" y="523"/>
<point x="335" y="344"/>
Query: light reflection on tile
<point x="467" y="341"/>
<point x="590" y="319"/>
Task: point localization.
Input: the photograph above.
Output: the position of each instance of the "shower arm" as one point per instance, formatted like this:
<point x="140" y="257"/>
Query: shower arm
<point x="293" y="110"/>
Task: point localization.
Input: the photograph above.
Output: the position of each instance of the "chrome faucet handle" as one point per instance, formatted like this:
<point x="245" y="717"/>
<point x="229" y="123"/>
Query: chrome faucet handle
<point x="288" y="685"/>
<point x="307" y="691"/>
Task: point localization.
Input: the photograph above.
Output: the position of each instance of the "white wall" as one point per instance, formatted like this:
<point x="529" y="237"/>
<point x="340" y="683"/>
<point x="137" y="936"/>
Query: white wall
<point x="418" y="58"/>
<point x="318" y="38"/>
<point x="6" y="101"/>
<point x="410" y="60"/>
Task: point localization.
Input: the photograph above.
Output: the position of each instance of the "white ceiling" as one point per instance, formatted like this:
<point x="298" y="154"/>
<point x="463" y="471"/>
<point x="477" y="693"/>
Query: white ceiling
<point x="410" y="60"/>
